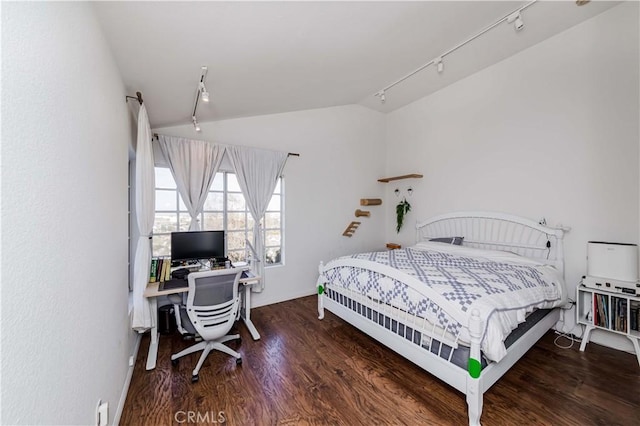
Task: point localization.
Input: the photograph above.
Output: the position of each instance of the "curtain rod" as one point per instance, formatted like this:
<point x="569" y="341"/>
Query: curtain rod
<point x="290" y="154"/>
<point x="138" y="97"/>
<point x="380" y="93"/>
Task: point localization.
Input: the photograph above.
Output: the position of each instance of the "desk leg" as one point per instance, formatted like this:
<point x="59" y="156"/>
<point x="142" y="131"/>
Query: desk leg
<point x="152" y="355"/>
<point x="246" y="313"/>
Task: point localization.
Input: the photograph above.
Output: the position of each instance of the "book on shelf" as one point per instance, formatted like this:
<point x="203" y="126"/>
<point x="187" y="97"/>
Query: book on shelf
<point x="167" y="273"/>
<point x="154" y="267"/>
<point x="635" y="317"/>
<point x="165" y="265"/>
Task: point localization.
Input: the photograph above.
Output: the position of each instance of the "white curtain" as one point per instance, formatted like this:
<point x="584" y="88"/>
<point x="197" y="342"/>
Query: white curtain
<point x="257" y="172"/>
<point x="194" y="165"/>
<point x="145" y="212"/>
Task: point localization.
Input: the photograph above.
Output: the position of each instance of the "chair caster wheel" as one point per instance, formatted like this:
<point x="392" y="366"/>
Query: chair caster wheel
<point x="238" y="361"/>
<point x="174" y="362"/>
<point x="195" y="378"/>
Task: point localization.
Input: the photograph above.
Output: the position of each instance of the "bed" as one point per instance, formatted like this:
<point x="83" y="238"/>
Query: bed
<point x="474" y="293"/>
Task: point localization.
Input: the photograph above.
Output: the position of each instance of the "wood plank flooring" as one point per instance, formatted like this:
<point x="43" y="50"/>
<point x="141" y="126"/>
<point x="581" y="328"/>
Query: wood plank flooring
<point x="310" y="372"/>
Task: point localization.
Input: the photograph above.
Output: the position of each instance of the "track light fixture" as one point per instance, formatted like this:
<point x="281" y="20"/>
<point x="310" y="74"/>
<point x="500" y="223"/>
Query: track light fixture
<point x="203" y="92"/>
<point x="514" y="18"/>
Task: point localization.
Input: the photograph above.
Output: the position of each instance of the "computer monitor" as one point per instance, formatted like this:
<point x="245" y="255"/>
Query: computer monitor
<point x="197" y="245"/>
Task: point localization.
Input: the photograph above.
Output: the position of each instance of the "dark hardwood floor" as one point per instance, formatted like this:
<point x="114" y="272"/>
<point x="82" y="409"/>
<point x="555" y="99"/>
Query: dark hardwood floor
<point x="309" y="372"/>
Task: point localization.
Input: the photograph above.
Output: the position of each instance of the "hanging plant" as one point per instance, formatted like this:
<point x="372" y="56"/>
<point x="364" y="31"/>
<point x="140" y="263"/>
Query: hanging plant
<point x="402" y="209"/>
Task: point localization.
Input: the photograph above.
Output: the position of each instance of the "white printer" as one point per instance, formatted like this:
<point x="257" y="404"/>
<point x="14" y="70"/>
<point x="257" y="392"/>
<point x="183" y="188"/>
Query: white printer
<point x="612" y="267"/>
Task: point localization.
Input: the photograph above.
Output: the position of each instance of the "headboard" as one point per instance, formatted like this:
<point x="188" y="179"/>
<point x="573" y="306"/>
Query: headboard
<point x="498" y="231"/>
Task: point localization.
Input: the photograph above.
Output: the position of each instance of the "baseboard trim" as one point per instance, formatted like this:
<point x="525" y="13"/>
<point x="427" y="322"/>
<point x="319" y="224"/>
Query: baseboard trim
<point x="304" y="293"/>
<point x="127" y="382"/>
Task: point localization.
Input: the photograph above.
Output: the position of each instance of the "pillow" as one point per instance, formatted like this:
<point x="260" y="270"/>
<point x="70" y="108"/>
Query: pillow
<point x="457" y="241"/>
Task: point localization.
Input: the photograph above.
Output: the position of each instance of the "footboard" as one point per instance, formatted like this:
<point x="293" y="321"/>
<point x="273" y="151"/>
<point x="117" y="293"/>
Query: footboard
<point x="425" y="343"/>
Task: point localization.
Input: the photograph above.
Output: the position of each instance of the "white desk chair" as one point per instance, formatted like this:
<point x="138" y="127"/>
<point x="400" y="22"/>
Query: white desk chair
<point x="212" y="308"/>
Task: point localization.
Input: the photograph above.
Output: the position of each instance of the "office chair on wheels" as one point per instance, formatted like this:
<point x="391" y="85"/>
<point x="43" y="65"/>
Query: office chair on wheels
<point x="212" y="308"/>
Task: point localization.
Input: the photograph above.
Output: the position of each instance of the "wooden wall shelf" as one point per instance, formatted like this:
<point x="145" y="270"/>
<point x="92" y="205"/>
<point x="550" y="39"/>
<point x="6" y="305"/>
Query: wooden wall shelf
<point x="389" y="179"/>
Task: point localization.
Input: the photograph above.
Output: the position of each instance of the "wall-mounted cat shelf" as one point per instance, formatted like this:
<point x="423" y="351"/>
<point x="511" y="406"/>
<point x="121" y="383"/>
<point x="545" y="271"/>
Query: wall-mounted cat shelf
<point x="351" y="229"/>
<point x="360" y="213"/>
<point x="389" y="179"/>
<point x="370" y="201"/>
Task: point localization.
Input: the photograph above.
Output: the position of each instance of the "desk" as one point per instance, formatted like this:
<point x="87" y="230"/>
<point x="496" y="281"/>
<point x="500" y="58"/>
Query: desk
<point x="152" y="292"/>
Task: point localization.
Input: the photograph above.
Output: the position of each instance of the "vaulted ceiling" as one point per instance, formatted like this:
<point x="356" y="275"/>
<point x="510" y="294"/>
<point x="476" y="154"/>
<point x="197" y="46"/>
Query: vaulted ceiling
<point x="272" y="57"/>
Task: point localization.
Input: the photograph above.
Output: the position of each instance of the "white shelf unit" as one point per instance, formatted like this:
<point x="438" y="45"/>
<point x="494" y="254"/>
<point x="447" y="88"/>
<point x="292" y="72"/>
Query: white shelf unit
<point x="612" y="312"/>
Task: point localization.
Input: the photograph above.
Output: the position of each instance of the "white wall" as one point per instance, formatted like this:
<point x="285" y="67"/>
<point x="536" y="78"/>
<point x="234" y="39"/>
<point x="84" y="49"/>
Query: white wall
<point x="341" y="157"/>
<point x="550" y="132"/>
<point x="65" y="328"/>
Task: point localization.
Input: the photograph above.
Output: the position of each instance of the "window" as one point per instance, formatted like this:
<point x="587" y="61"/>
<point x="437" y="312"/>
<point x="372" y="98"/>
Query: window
<point x="224" y="209"/>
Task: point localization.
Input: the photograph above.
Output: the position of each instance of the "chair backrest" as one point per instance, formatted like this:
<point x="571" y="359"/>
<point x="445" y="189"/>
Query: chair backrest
<point x="213" y="301"/>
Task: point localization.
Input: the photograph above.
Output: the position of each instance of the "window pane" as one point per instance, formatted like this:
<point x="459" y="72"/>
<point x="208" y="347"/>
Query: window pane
<point x="166" y="200"/>
<point x="273" y="255"/>
<point x="185" y="221"/>
<point x="218" y="182"/>
<point x="274" y="204"/>
<point x="213" y="222"/>
<point x="161" y="245"/>
<point x="236" y="256"/>
<point x="164" y="178"/>
<point x="214" y="202"/>
<point x="272" y="238"/>
<point x="165" y="223"/>
<point x="235" y="240"/>
<point x="236" y="221"/>
<point x="277" y="189"/>
<point x="272" y="220"/>
<point x="232" y="183"/>
<point x="235" y="202"/>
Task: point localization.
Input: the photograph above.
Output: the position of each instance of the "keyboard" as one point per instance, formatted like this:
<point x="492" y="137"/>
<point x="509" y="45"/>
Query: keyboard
<point x="173" y="284"/>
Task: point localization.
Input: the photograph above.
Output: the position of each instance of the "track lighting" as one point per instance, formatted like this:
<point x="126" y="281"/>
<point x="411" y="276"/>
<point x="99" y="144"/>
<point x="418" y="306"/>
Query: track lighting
<point x="516" y="20"/>
<point x="203" y="92"/>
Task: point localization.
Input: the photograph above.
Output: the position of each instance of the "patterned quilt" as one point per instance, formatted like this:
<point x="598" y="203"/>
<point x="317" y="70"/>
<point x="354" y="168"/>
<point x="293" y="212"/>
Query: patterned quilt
<point x="503" y="291"/>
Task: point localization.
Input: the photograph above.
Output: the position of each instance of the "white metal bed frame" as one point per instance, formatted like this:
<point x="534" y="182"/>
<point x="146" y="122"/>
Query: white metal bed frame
<point x="412" y="336"/>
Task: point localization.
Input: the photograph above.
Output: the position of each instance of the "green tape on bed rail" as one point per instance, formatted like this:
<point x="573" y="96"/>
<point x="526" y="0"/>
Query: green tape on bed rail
<point x="474" y="368"/>
<point x="320" y="289"/>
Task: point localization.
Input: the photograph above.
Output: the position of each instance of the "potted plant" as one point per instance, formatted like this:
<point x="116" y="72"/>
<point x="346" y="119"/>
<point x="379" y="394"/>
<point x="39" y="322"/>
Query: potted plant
<point x="402" y="209"/>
